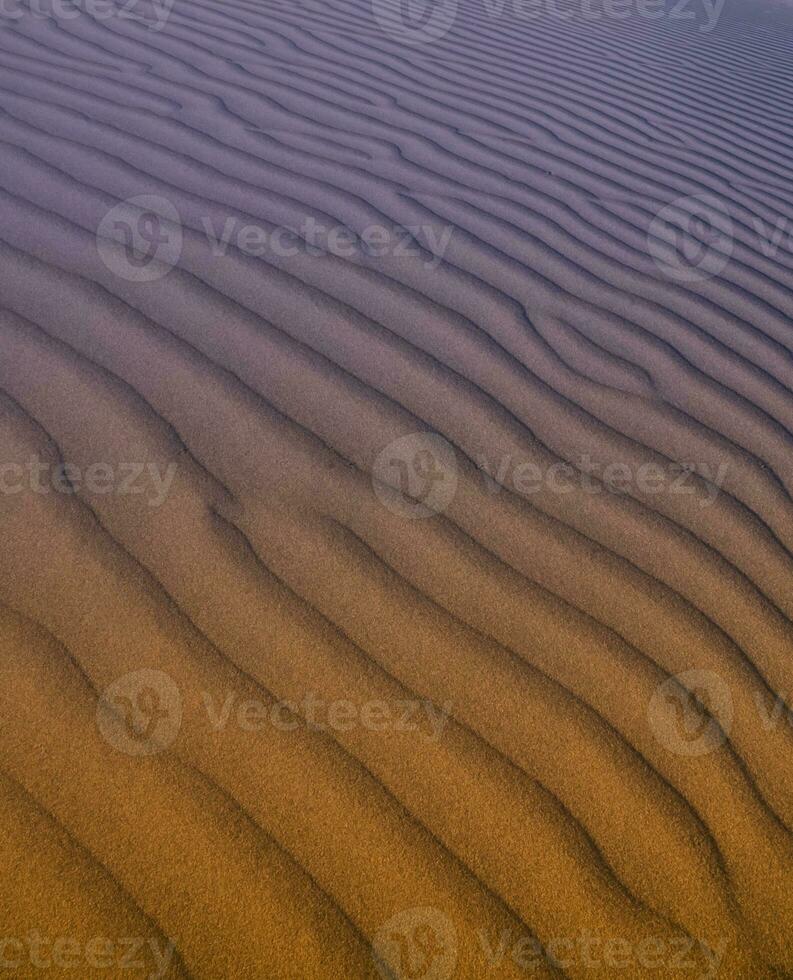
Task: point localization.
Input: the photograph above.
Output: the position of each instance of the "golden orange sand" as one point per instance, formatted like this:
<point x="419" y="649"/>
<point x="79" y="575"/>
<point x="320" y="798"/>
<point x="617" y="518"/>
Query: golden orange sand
<point x="511" y="775"/>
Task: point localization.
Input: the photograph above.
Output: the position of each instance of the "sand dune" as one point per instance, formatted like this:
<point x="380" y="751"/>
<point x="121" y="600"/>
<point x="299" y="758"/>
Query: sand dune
<point x="397" y="540"/>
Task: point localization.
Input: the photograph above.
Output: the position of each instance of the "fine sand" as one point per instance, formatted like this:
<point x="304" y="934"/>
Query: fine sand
<point x="350" y="658"/>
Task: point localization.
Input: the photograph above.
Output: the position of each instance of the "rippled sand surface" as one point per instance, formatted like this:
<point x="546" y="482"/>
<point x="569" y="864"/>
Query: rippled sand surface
<point x="396" y="415"/>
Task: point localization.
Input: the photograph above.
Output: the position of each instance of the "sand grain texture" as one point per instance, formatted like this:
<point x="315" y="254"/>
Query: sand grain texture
<point x="538" y="627"/>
